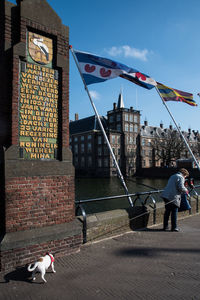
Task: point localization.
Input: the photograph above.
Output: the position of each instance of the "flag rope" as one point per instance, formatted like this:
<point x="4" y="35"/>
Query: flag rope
<point x="103" y="131"/>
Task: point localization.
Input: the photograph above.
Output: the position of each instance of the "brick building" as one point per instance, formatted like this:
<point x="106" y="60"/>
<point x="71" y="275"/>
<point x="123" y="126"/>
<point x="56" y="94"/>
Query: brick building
<point x="132" y="143"/>
<point x="91" y="155"/>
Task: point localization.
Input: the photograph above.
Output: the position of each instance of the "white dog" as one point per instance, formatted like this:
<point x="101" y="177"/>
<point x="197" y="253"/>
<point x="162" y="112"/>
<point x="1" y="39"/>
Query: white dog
<point x="42" y="265"/>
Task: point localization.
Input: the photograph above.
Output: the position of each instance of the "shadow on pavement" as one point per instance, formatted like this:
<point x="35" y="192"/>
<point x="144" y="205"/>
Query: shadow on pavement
<point x="19" y="274"/>
<point x="152" y="252"/>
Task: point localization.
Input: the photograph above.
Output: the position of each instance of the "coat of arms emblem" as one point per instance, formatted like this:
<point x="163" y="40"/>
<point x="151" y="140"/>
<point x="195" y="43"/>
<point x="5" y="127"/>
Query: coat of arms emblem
<point x="40" y="48"/>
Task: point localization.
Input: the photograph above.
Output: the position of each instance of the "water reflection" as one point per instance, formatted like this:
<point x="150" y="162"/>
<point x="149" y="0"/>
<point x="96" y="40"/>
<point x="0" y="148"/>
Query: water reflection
<point x="90" y="188"/>
<point x="87" y="188"/>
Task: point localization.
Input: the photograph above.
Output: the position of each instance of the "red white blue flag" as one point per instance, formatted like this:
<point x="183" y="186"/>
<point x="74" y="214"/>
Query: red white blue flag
<point x="97" y="69"/>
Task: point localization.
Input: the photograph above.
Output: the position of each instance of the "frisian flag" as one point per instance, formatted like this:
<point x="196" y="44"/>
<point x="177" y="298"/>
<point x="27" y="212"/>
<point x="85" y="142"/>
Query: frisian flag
<point x="170" y="94"/>
<point x="96" y="69"/>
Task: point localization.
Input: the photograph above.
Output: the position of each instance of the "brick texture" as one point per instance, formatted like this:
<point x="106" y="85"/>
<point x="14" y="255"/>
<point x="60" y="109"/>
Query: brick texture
<point x="22" y="256"/>
<point x="38" y="201"/>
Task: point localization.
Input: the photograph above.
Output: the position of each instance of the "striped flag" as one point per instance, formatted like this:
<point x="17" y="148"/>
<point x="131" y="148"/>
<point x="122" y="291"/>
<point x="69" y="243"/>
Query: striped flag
<point x="97" y="69"/>
<point x="169" y="94"/>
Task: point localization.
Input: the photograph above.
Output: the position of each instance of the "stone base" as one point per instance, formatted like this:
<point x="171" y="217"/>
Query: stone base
<point x="111" y="223"/>
<point x="21" y="248"/>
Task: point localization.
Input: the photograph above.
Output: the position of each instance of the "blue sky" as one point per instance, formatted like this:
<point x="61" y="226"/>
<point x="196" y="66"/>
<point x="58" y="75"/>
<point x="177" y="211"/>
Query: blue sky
<point x="159" y="38"/>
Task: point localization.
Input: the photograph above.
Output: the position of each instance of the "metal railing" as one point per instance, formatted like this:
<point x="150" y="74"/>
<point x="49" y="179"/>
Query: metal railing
<point x="138" y="197"/>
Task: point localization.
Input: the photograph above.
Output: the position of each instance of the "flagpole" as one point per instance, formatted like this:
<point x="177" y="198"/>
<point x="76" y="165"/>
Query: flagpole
<point x="103" y="131"/>
<point x="187" y="145"/>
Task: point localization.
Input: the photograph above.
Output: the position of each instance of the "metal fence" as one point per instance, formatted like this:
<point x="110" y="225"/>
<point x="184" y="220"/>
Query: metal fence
<point x="141" y="198"/>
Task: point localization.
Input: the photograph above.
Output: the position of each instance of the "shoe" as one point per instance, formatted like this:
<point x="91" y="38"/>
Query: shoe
<point x="175" y="229"/>
<point x="165" y="228"/>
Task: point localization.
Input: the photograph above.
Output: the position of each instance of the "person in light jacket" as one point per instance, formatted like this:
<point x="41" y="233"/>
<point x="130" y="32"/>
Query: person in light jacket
<point x="172" y="197"/>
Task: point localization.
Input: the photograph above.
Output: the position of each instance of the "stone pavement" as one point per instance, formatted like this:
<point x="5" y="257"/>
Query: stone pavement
<point x="149" y="264"/>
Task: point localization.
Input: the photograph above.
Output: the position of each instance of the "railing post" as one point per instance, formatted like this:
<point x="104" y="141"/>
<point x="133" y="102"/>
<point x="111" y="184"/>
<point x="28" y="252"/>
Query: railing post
<point x="197" y="204"/>
<point x="84" y="222"/>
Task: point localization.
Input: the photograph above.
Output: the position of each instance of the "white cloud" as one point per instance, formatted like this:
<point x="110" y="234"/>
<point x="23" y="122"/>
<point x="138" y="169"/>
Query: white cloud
<point x="114" y="51"/>
<point x="95" y="95"/>
<point x="128" y="51"/>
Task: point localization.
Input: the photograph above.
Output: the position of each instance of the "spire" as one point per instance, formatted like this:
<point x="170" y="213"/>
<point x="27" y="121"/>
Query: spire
<point x="120" y="103"/>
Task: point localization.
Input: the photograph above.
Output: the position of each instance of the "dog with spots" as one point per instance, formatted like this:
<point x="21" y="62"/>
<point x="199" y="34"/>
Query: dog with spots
<point x="42" y="265"/>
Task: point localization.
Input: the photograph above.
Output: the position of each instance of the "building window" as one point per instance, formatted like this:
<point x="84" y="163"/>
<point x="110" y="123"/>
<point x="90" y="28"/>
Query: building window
<point x="99" y="151"/>
<point x="99" y="163"/>
<point x="89" y="137"/>
<point x="118" y="117"/>
<point x="82" y="161"/>
<point x="131" y="127"/>
<point x="131" y="118"/>
<point x="118" y="127"/>
<point x="76" y="149"/>
<point x="105" y="150"/>
<point x="113" y="139"/>
<point x="118" y="139"/>
<point x="126" y="127"/>
<point x="135" y="128"/>
<point x="111" y="119"/>
<point x="126" y="117"/>
<point x="89" y="147"/>
<point x="99" y="140"/>
<point x="135" y="118"/>
<point x="75" y="139"/>
<point x="106" y="162"/>
<point x="82" y="137"/>
<point x="89" y="161"/>
<point x="76" y="160"/>
<point x="82" y="148"/>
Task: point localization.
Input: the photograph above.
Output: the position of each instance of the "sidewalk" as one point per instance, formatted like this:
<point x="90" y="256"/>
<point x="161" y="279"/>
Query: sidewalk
<point x="149" y="264"/>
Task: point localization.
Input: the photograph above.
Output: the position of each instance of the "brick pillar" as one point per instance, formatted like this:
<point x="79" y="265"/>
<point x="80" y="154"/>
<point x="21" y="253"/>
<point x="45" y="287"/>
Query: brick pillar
<point x="37" y="201"/>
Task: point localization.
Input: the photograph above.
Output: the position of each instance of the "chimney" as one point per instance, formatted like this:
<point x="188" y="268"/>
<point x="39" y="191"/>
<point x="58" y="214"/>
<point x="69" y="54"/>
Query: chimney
<point x="76" y="117"/>
<point x="161" y="124"/>
<point x="145" y="123"/>
<point x="114" y="106"/>
<point x="170" y="127"/>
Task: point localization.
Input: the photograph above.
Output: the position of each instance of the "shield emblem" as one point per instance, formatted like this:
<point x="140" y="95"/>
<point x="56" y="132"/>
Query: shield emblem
<point x="40" y="48"/>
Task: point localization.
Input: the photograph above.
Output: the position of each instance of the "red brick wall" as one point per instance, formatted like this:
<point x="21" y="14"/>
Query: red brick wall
<point x="33" y="202"/>
<point x="13" y="258"/>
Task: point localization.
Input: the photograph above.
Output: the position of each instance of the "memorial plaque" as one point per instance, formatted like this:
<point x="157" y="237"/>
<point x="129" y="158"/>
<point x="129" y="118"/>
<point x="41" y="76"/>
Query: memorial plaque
<point x="38" y="105"/>
<point x="40" y="48"/>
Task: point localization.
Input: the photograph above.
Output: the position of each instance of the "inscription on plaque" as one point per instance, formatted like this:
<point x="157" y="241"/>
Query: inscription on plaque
<point x="38" y="112"/>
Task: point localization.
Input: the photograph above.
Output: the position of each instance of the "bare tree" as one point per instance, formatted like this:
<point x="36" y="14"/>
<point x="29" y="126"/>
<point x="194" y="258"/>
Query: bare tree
<point x="167" y="147"/>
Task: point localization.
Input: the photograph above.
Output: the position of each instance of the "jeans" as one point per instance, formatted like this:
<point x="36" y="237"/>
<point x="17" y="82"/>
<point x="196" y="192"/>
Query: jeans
<point x="173" y="210"/>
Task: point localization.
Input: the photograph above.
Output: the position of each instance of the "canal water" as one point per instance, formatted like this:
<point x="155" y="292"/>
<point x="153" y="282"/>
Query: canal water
<point x="90" y="188"/>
